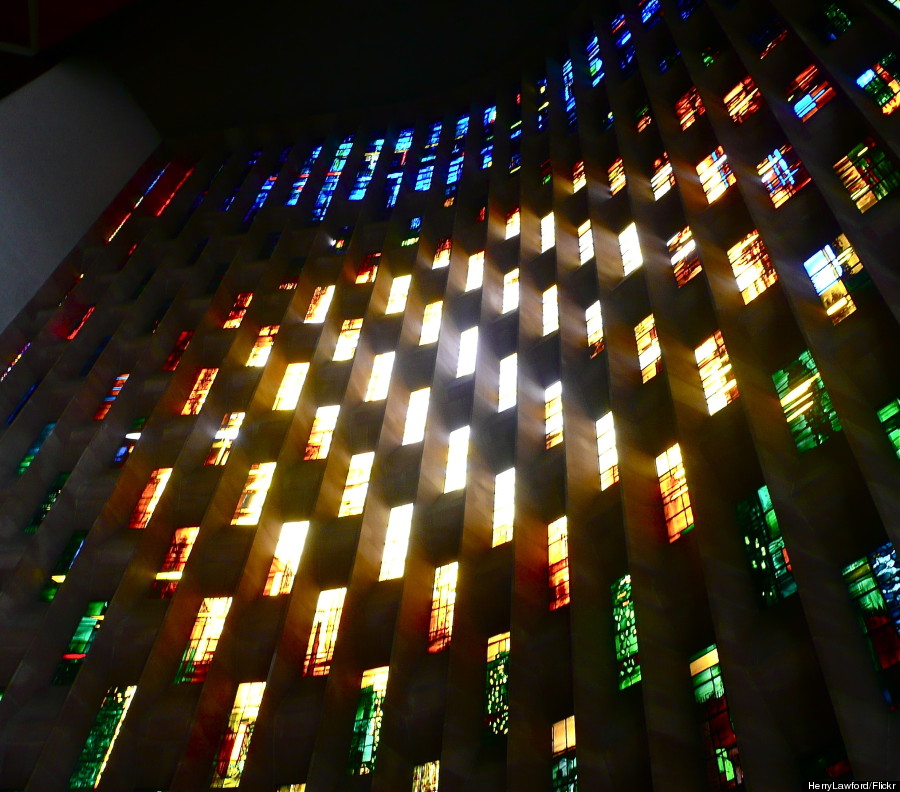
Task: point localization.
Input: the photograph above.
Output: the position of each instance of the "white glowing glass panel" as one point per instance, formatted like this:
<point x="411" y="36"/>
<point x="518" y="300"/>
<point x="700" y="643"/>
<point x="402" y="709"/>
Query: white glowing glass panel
<point x="607" y="456"/>
<point x="719" y="385"/>
<point x="548" y="232"/>
<point x="324" y="631"/>
<point x="253" y="496"/>
<point x="510" y="300"/>
<point x="396" y="542"/>
<point x="468" y="352"/>
<point x="262" y="347"/>
<point x="319" y="304"/>
<point x="593" y="320"/>
<point x="319" y="443"/>
<point x="513" y="224"/>
<point x="649" y="352"/>
<point x="291" y="384"/>
<point x="357" y="485"/>
<point x="380" y="378"/>
<point x="286" y="560"/>
<point x="508" y="386"/>
<point x="416" y="416"/>
<point x="550" y="310"/>
<point x="431" y="323"/>
<point x="399" y="292"/>
<point x="585" y="242"/>
<point x="630" y="248"/>
<point x="504" y="507"/>
<point x="457" y="459"/>
<point x="475" y="274"/>
<point x="348" y="339"/>
<point x="553" y="415"/>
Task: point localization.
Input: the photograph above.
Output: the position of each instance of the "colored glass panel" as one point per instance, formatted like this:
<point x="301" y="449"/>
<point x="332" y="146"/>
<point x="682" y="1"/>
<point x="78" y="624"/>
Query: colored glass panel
<point x="624" y="622"/>
<point x="769" y="562"/>
<point x="807" y="406"/>
<point x="497" y="684"/>
<point x="367" y="723"/>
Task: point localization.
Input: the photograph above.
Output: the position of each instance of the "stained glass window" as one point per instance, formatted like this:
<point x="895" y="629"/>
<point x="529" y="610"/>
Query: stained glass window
<point x="676" y="498"/>
<point x="286" y="559"/>
<point x="102" y="737"/>
<point x="752" y="266"/>
<point x="443" y="601"/>
<point x="564" y="772"/>
<point x="323" y="633"/>
<point x="836" y="271"/>
<point x="807" y="406"/>
<point x="367" y="724"/>
<point x="881" y="83"/>
<point x="867" y="174"/>
<point x="558" y="562"/>
<point x="80" y="643"/>
<point x="172" y="569"/>
<point x="323" y="200"/>
<point x="719" y="384"/>
<point x="769" y="562"/>
<point x="232" y="754"/>
<point x="627" y="658"/>
<point x="684" y="256"/>
<point x="782" y="174"/>
<point x="497" y="684"/>
<point x="715" y="175"/>
<point x="723" y="761"/>
<point x="809" y="93"/>
<point x="370" y="160"/>
<point x="874" y="586"/>
<point x="204" y="639"/>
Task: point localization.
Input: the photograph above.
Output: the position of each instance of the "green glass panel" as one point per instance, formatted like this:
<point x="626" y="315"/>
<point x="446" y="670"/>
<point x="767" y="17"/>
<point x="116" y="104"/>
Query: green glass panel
<point x="875" y="168"/>
<point x="47" y="503"/>
<point x="837" y="19"/>
<point x="63" y="565"/>
<point x="806" y="404"/>
<point x="564" y="775"/>
<point x="34" y="448"/>
<point x="366" y="731"/>
<point x="878" y="82"/>
<point x="889" y="415"/>
<point x="80" y="643"/>
<point x="723" y="759"/>
<point x="497" y="710"/>
<point x="626" y="634"/>
<point x="101" y="738"/>
<point x="764" y="546"/>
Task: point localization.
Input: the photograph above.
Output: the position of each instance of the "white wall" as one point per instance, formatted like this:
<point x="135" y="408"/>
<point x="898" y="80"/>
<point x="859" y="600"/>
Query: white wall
<point x="69" y="141"/>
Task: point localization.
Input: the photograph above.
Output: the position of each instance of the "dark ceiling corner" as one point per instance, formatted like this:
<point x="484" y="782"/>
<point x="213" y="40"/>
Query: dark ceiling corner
<point x="203" y="65"/>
